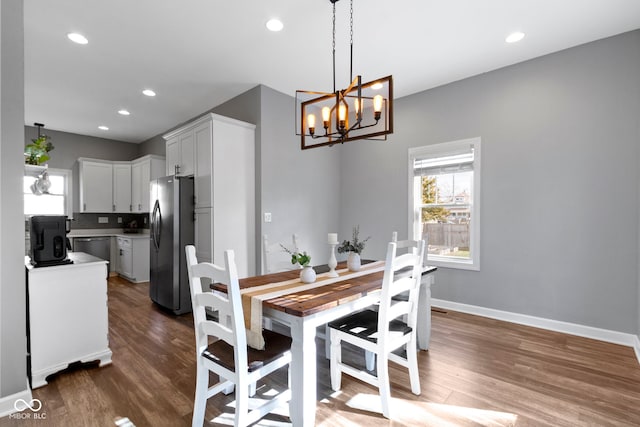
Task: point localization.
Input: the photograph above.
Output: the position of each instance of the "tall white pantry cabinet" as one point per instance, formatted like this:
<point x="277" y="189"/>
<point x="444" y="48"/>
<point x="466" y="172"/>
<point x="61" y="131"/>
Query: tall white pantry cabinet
<point x="220" y="154"/>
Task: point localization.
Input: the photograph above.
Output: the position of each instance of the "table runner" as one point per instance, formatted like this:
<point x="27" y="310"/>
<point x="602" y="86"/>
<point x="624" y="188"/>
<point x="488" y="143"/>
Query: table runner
<point x="253" y="297"/>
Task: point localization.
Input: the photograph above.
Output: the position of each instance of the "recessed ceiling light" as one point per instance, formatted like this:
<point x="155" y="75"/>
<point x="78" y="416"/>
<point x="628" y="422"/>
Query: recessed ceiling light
<point x="149" y="92"/>
<point x="103" y="128"/>
<point x="377" y="86"/>
<point x="77" y="38"/>
<point x="124" y="112"/>
<point x="275" y="24"/>
<point x="514" y="37"/>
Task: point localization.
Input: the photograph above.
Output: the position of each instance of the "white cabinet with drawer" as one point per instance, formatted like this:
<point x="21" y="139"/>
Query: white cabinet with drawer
<point x="133" y="257"/>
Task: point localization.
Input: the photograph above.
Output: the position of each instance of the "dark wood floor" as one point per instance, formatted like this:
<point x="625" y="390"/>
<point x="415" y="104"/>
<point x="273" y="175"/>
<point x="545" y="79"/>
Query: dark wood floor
<point x="478" y="372"/>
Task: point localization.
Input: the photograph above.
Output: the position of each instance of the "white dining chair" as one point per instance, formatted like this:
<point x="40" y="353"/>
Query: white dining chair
<point x="236" y="365"/>
<point x="383" y="331"/>
<point x="275" y="258"/>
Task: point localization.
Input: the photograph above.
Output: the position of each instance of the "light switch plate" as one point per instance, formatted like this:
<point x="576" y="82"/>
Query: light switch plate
<point x="103" y="220"/>
<point x="267" y="217"/>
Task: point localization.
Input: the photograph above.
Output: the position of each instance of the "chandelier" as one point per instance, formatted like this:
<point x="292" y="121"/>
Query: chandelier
<point x="361" y="111"/>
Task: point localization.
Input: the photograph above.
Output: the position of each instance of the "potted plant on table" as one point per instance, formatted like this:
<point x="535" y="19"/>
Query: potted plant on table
<point x="354" y="247"/>
<point x="307" y="274"/>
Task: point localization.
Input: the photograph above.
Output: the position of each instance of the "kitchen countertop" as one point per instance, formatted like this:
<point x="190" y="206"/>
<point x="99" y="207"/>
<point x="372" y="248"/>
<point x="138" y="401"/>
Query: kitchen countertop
<point x="77" y="258"/>
<point x="108" y="232"/>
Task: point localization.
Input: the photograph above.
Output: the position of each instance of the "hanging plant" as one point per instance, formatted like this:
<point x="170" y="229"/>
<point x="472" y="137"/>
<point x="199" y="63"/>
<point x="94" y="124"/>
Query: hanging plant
<point x="36" y="153"/>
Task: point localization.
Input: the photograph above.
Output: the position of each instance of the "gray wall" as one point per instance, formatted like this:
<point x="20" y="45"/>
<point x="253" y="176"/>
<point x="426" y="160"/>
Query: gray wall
<point x="13" y="343"/>
<point x="68" y="147"/>
<point x="301" y="189"/>
<point x="560" y="138"/>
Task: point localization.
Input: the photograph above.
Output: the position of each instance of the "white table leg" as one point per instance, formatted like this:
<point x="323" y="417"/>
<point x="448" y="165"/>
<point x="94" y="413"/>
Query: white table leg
<point x="302" y="407"/>
<point x="424" y="312"/>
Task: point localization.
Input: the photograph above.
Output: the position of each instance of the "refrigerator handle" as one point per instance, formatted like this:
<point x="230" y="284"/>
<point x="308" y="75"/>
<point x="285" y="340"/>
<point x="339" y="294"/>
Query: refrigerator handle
<point x="154" y="224"/>
<point x="158" y="225"/>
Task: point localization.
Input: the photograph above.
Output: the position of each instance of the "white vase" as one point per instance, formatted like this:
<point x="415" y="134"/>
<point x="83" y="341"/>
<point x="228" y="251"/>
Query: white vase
<point x="353" y="261"/>
<point x="307" y="275"/>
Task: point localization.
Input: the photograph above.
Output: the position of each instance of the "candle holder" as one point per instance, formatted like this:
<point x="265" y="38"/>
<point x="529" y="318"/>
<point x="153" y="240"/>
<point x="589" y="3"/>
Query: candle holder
<point x="333" y="263"/>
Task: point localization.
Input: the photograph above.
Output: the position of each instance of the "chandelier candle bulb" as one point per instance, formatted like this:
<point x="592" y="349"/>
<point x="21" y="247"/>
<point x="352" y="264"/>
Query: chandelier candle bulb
<point x="377" y="106"/>
<point x="311" y="121"/>
<point x="342" y="116"/>
<point x="326" y="112"/>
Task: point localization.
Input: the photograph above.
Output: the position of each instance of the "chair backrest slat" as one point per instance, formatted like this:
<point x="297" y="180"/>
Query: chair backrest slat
<point x="402" y="273"/>
<point x="229" y="325"/>
<point x="277" y="259"/>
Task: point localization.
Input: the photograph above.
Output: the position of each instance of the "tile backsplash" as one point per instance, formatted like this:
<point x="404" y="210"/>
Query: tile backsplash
<point x="109" y="220"/>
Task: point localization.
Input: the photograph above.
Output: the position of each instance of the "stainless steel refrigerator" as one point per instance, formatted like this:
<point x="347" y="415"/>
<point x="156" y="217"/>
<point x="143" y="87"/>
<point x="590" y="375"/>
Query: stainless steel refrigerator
<point x="171" y="229"/>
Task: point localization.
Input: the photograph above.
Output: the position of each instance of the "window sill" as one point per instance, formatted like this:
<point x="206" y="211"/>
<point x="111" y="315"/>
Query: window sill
<point x="442" y="262"/>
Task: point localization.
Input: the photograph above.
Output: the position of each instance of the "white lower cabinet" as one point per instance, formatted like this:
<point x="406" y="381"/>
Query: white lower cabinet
<point x="133" y="258"/>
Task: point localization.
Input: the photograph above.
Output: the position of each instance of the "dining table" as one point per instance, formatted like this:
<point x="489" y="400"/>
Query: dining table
<point x="306" y="308"/>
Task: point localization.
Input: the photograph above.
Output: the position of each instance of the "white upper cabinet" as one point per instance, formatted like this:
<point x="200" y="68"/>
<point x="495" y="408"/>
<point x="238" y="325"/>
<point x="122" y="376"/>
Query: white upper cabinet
<point x="181" y="155"/>
<point x="122" y="187"/>
<point x="143" y="170"/>
<point x="204" y="162"/>
<point x="119" y="187"/>
<point x="96" y="185"/>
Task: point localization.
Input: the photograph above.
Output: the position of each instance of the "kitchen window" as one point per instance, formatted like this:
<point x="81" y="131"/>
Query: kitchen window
<point x="57" y="201"/>
<point x="444" y="181"/>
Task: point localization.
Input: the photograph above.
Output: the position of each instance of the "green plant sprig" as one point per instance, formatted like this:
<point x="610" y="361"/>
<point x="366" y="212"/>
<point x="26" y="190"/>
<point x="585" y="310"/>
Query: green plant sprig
<point x="354" y="245"/>
<point x="36" y="153"/>
<point x="301" y="258"/>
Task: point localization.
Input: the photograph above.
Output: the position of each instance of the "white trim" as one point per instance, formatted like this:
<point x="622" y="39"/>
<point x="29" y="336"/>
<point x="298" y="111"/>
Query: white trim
<point x="606" y="335"/>
<point x="206" y="118"/>
<point x="7" y="403"/>
<point x="442" y="149"/>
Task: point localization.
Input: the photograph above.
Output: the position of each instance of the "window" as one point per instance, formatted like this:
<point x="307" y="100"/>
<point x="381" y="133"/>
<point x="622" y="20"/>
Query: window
<point x="56" y="202"/>
<point x="444" y="181"/>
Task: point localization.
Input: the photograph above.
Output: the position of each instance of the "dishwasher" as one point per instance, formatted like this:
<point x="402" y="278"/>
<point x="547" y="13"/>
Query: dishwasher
<point x="96" y="246"/>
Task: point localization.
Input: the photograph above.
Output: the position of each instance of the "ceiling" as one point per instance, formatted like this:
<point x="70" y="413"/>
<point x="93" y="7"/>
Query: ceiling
<point x="196" y="54"/>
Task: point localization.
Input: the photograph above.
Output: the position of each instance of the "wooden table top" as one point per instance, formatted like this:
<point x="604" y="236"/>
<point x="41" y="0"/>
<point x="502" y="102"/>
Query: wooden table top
<point x="317" y="299"/>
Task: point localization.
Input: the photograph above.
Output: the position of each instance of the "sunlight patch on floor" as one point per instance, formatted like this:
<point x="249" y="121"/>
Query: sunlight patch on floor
<point x="433" y="413"/>
<point x="226" y="418"/>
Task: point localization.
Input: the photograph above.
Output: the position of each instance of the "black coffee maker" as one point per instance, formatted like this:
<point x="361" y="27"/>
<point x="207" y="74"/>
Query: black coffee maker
<point x="48" y="235"/>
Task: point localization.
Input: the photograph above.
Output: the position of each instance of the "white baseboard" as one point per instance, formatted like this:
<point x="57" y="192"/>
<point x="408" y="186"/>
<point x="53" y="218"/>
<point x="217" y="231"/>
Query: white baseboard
<point x="606" y="335"/>
<point x="7" y="404"/>
<point x="636" y="347"/>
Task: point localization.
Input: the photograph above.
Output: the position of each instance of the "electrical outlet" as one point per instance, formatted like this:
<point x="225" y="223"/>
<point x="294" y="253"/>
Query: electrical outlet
<point x="267" y="217"/>
<point x="119" y="220"/>
<point x="103" y="220"/>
